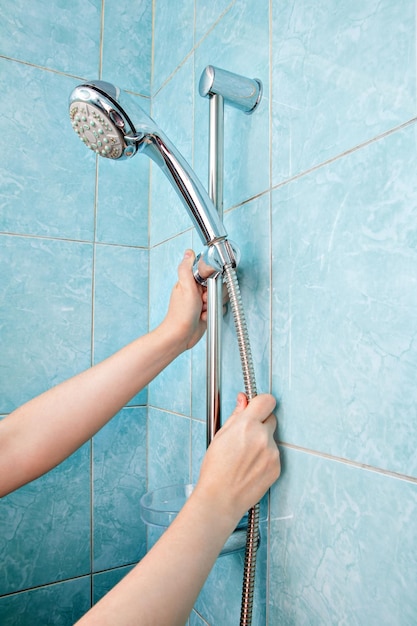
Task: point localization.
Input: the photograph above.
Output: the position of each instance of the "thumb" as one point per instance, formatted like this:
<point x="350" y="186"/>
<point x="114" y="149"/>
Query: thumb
<point x="262" y="406"/>
<point x="241" y="403"/>
<point x="184" y="268"/>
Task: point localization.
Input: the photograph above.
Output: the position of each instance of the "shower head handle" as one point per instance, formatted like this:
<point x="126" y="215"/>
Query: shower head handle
<point x="195" y="198"/>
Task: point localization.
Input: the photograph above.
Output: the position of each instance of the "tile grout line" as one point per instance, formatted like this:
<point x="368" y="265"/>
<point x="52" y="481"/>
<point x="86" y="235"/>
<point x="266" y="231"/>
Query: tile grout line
<point x="345" y="461"/>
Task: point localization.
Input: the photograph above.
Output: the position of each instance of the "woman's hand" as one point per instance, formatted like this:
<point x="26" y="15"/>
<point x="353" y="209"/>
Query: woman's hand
<point x="187" y="312"/>
<point x="243" y="460"/>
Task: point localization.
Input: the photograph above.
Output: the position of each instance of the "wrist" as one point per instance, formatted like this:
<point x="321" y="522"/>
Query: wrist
<point x="170" y="339"/>
<point x="216" y="506"/>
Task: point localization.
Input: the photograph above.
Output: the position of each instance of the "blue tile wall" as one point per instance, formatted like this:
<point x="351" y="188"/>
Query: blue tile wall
<point x="61" y="604"/>
<point x="342" y="545"/>
<point x="344" y="305"/>
<point x="225" y="581"/>
<point x="123" y="197"/>
<point x="121" y="301"/>
<point x="342" y="73"/>
<point x="198" y="447"/>
<point x="46" y="527"/>
<point x="119" y="480"/>
<point x="239" y="42"/>
<point x="104" y="581"/>
<point x="63" y="37"/>
<point x="127" y="44"/>
<point x="74" y="288"/>
<point x="207" y="14"/>
<point x="173" y="37"/>
<point x="171" y="390"/>
<point x="46" y="293"/>
<point x="169" y="455"/>
<point x="253" y="276"/>
<point x="169" y="449"/>
<point x="43" y="159"/>
<point x="168" y="217"/>
<point x="319" y="196"/>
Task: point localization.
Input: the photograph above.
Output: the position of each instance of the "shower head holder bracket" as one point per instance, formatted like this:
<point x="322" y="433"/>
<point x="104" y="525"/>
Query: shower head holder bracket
<point x="213" y="260"/>
<point x="238" y="91"/>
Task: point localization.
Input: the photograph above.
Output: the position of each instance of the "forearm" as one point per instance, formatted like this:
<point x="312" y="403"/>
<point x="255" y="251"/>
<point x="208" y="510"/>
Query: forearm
<point x="164" y="586"/>
<point x="240" y="464"/>
<point x="44" y="431"/>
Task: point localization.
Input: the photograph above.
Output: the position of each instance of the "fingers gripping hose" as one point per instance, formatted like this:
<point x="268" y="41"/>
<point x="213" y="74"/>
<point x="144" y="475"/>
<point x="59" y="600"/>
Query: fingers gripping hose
<point x="252" y="536"/>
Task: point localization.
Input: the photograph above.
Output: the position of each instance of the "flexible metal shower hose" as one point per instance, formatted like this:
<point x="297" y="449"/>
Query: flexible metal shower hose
<point x="252" y="536"/>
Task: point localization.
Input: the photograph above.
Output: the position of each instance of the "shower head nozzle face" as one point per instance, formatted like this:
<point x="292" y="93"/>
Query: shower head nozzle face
<point x="97" y="132"/>
<point x="100" y="122"/>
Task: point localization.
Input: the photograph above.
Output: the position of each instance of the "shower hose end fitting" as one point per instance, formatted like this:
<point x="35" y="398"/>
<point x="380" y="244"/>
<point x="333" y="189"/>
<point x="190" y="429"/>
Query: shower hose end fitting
<point x="212" y="261"/>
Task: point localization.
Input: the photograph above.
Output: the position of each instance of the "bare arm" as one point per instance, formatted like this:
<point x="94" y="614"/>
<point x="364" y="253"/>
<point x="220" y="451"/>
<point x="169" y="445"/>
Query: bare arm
<point x="46" y="430"/>
<point x="239" y="466"/>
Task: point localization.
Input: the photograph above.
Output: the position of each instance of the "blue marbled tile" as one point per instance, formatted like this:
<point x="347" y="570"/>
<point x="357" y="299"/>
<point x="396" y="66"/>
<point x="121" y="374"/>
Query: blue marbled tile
<point x="119" y="481"/>
<point x="45" y="327"/>
<point x="122" y="215"/>
<point x="198" y="379"/>
<point x="198" y="447"/>
<point x="172" y="109"/>
<point x="207" y="14"/>
<point x="342" y="73"/>
<point x="169" y="456"/>
<point x="171" y="389"/>
<point x="46" y="527"/>
<point x="121" y="301"/>
<point x="168" y="449"/>
<point x="123" y="192"/>
<point x="63" y="37"/>
<point x="127" y="49"/>
<point x="249" y="227"/>
<point x="220" y="599"/>
<point x="344" y="302"/>
<point x="48" y="179"/>
<point x="239" y="43"/>
<point x="198" y="364"/>
<point x="343" y="545"/>
<point x="173" y="38"/>
<point x="104" y="581"/>
<point x="60" y="604"/>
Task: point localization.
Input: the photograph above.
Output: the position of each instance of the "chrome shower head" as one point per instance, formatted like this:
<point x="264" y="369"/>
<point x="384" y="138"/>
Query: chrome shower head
<point x="103" y="125"/>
